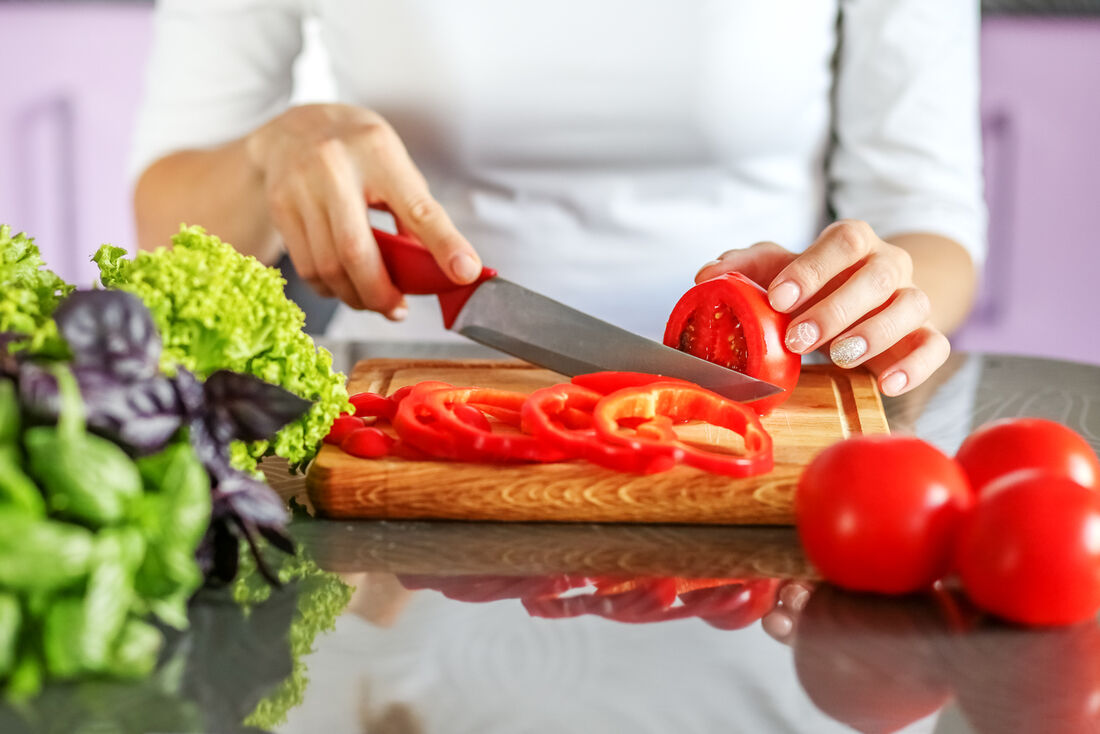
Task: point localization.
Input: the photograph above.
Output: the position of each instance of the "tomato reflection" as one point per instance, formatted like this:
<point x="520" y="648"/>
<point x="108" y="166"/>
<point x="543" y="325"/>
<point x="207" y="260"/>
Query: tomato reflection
<point x="722" y="603"/>
<point x="1019" y="681"/>
<point x="871" y="661"/>
<point x="880" y="663"/>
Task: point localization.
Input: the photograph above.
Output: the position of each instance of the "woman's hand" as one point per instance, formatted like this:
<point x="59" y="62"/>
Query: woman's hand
<point x="322" y="166"/>
<point x="854" y="292"/>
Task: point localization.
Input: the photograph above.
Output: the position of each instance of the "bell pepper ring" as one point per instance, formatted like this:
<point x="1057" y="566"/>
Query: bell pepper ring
<point x="426" y="419"/>
<point x="679" y="402"/>
<point x="367" y="443"/>
<point x="606" y="383"/>
<point x="543" y="414"/>
<point x="373" y="405"/>
<point x="341" y="427"/>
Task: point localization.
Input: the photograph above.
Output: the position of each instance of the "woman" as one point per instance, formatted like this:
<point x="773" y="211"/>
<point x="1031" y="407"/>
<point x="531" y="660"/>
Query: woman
<point x="596" y="152"/>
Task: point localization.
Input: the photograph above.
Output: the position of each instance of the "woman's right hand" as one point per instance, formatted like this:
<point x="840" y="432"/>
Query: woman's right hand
<point x="322" y="166"/>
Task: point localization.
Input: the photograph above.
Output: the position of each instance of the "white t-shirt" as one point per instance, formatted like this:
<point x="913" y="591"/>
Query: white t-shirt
<point x="600" y="151"/>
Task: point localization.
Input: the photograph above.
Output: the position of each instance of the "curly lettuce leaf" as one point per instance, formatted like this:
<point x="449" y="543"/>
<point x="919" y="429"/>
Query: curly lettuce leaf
<point x="218" y="309"/>
<point x="29" y="293"/>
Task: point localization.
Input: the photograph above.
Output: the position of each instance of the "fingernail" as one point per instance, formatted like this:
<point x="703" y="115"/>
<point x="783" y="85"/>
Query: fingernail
<point x="784" y="296"/>
<point x="398" y="314"/>
<point x="464" y="267"/>
<point x="845" y="351"/>
<point x="894" y="382"/>
<point x="794" y="596"/>
<point x="710" y="264"/>
<point x="802" y="336"/>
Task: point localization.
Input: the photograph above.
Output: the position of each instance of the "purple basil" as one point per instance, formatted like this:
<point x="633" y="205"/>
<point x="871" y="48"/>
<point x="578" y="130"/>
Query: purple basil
<point x="247" y="408"/>
<point x="115" y="358"/>
<point x="112" y="331"/>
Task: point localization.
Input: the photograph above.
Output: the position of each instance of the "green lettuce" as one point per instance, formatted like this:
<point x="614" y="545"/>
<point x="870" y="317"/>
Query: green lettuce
<point x="321" y="597"/>
<point x="218" y="309"/>
<point x="29" y="293"/>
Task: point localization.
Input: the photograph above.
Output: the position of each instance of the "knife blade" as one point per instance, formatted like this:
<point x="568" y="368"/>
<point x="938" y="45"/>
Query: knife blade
<point x="528" y="325"/>
<point x="510" y="318"/>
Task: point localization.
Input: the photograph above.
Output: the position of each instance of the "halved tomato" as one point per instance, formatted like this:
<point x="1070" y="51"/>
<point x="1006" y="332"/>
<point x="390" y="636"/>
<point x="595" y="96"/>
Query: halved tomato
<point x="728" y="320"/>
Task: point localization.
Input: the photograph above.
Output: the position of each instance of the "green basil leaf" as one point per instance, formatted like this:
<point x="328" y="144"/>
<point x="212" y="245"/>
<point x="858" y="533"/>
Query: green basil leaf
<point x="135" y="652"/>
<point x="9" y="413"/>
<point x="62" y="631"/>
<point x="10" y="620"/>
<point x="85" y="477"/>
<point x="110" y="593"/>
<point x="38" y="556"/>
<point x="174" y="515"/>
<point x="18" y="490"/>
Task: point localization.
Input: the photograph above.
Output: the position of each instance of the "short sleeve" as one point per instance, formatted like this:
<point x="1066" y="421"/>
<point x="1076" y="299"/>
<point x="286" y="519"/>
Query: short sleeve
<point x="907" y="149"/>
<point x="218" y="69"/>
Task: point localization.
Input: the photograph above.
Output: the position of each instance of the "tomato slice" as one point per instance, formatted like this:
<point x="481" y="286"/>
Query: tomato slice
<point x="728" y="320"/>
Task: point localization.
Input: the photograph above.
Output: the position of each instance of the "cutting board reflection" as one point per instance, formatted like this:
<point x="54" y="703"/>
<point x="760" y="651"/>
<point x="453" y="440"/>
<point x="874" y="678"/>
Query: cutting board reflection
<point x="828" y="405"/>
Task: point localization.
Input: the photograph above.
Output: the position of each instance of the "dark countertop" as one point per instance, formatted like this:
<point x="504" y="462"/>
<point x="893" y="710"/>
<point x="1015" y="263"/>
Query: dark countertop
<point x="482" y="627"/>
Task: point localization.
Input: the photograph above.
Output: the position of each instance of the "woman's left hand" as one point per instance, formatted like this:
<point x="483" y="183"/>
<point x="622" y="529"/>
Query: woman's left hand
<point x="852" y="291"/>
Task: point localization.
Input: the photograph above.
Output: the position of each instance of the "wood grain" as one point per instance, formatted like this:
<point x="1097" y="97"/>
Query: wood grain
<point x="828" y="404"/>
<point x="531" y="549"/>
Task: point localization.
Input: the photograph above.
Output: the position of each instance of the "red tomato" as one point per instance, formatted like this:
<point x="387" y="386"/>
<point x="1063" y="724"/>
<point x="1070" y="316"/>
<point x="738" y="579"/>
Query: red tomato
<point x="1005" y="446"/>
<point x="871" y="662"/>
<point x="880" y="513"/>
<point x="1030" y="553"/>
<point x="728" y="320"/>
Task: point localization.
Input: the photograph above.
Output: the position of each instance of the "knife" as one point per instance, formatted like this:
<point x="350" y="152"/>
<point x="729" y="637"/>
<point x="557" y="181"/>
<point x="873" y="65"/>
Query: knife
<point x="512" y="319"/>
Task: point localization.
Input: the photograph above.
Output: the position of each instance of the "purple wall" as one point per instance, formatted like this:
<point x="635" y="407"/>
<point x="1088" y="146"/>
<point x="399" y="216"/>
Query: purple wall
<point x="1041" y="110"/>
<point x="72" y="77"/>
<point x="70" y="82"/>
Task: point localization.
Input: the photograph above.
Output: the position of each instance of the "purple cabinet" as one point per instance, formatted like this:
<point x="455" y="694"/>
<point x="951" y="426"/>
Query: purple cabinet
<point x="70" y="81"/>
<point x="1041" y="119"/>
<point x="72" y="75"/>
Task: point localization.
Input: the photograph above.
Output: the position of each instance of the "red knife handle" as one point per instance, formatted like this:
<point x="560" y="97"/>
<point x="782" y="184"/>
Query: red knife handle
<point x="413" y="270"/>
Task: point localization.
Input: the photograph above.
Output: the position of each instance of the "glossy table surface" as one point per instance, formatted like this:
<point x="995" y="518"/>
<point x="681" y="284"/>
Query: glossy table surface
<point x="468" y="627"/>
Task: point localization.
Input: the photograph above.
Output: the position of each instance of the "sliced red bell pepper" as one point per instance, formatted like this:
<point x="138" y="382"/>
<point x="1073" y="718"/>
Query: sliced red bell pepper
<point x="547" y="411"/>
<point x="735" y="606"/>
<point x="608" y="382"/>
<point x="482" y="588"/>
<point x="426" y="419"/>
<point x="506" y="416"/>
<point x="472" y="416"/>
<point x="367" y="443"/>
<point x="373" y="405"/>
<point x="341" y="427"/>
<point x="646" y="600"/>
<point x="680" y="402"/>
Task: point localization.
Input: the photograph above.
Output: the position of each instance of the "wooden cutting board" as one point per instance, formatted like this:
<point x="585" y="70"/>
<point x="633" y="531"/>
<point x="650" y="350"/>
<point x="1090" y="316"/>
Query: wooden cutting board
<point x="829" y="404"/>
